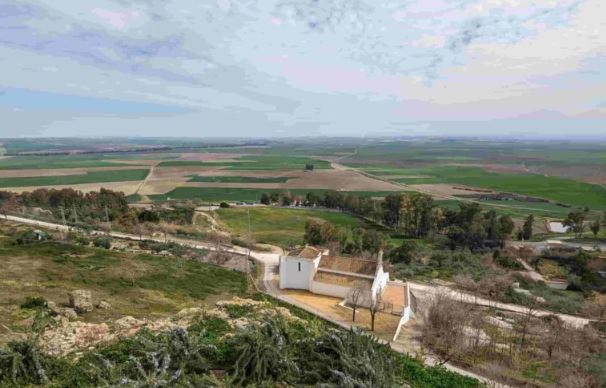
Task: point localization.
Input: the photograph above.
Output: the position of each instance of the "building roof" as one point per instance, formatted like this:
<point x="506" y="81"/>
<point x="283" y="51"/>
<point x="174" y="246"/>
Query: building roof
<point x="306" y="253"/>
<point x="349" y="264"/>
<point x="340" y="279"/>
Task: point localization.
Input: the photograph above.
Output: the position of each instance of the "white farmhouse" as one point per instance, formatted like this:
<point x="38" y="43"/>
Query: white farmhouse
<point x="319" y="272"/>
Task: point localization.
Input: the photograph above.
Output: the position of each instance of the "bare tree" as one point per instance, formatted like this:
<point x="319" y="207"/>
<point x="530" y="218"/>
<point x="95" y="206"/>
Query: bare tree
<point x="356" y="295"/>
<point x="444" y="329"/>
<point x="376" y="305"/>
<point x="596" y="308"/>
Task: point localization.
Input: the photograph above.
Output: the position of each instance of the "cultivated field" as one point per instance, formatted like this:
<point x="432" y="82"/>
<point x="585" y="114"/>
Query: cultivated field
<point x="282" y="227"/>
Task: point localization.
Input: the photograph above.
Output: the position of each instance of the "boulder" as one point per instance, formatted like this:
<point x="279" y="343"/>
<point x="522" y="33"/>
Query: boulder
<point x="103" y="305"/>
<point x="81" y="301"/>
<point x="67" y="312"/>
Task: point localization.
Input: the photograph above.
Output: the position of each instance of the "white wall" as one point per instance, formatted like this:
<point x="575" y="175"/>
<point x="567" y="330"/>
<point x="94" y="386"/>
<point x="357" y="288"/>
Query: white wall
<point x="381" y="279"/>
<point x="296" y="272"/>
<point x="329" y="289"/>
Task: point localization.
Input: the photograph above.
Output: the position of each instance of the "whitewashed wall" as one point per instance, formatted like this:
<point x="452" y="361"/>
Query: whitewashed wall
<point x="296" y="272"/>
<point x="329" y="289"/>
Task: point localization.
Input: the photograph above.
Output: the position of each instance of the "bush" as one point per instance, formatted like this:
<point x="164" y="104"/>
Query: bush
<point x="34" y="302"/>
<point x="102" y="242"/>
<point x="223" y="205"/>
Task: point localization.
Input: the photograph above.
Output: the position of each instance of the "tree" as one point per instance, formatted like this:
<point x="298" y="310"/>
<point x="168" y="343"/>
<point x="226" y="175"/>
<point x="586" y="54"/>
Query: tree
<point x="356" y="295"/>
<point x="595" y="307"/>
<point x="444" y="329"/>
<point x="527" y="227"/>
<point x="575" y="220"/>
<point x="506" y="225"/>
<point x="595" y="226"/>
<point x="265" y="200"/>
<point x="405" y="253"/>
<point x="376" y="305"/>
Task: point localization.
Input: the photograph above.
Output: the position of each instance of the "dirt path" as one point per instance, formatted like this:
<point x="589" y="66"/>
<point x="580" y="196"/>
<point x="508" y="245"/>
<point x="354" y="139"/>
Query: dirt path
<point x="428" y="290"/>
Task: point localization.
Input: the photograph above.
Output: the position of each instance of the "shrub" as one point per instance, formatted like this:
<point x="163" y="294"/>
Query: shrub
<point x="224" y="205"/>
<point x="102" y="242"/>
<point x="34" y="302"/>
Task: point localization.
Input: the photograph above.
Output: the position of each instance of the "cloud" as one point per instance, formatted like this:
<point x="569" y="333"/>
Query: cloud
<point x="278" y="66"/>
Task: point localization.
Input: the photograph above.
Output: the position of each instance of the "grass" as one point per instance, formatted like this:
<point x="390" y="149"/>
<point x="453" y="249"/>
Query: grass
<point x="239" y="179"/>
<point x="89" y="177"/>
<point x="278" y="226"/>
<point x="58" y="161"/>
<point x="217" y="194"/>
<point x="140" y="285"/>
<point x="562" y="190"/>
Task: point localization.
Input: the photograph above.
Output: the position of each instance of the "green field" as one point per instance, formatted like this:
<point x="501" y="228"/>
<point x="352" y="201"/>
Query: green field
<point x="89" y="177"/>
<point x="254" y="162"/>
<point x="562" y="190"/>
<point x="62" y="161"/>
<point x="239" y="179"/>
<point x="278" y="226"/>
<point x="217" y="194"/>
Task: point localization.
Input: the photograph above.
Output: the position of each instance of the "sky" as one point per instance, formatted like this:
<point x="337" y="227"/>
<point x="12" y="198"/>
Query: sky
<point x="284" y="68"/>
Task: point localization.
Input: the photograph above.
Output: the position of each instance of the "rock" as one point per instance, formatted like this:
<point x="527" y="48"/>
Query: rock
<point x="540" y="299"/>
<point x="189" y="313"/>
<point x="515" y="285"/>
<point x="129" y="325"/>
<point x="81" y="301"/>
<point x="67" y="336"/>
<point x="103" y="305"/>
<point x="52" y="306"/>
<point x="67" y="312"/>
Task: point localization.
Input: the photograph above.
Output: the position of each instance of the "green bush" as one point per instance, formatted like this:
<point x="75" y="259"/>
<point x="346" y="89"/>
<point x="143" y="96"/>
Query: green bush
<point x="34" y="302"/>
<point x="102" y="242"/>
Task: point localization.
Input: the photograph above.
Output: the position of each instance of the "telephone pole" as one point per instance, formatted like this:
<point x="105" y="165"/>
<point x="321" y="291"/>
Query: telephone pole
<point x="249" y="242"/>
<point x="109" y="225"/>
<point x="63" y="219"/>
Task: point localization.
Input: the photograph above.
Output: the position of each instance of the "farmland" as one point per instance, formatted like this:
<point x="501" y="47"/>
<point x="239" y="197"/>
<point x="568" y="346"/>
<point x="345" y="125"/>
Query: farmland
<point x="283" y="227"/>
<point x="89" y="177"/>
<point x="568" y="174"/>
<point x="57" y="162"/>
<point x="557" y="189"/>
<point x="238" y="179"/>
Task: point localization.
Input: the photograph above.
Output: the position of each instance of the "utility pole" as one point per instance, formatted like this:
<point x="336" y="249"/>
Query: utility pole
<point x="249" y="242"/>
<point x="63" y="219"/>
<point x="109" y="225"/>
<point x="75" y="214"/>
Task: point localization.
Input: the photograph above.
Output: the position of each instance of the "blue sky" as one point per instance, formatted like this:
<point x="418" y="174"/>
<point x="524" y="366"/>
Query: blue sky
<point x="268" y="68"/>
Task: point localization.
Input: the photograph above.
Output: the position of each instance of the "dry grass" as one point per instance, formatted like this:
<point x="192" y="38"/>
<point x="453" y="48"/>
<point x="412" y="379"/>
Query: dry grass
<point x="385" y="324"/>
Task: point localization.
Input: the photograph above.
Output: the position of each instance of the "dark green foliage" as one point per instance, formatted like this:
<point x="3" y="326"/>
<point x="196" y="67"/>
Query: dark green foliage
<point x="223" y="205"/>
<point x="34" y="302"/>
<point x="102" y="242"/>
<point x="506" y="261"/>
<point x="22" y="363"/>
<point x="527" y="227"/>
<point x="30" y="236"/>
<point x="270" y="353"/>
<point x="419" y="376"/>
<point x="265" y="354"/>
<point x="238" y="311"/>
<point x="347" y="359"/>
<point x="405" y="253"/>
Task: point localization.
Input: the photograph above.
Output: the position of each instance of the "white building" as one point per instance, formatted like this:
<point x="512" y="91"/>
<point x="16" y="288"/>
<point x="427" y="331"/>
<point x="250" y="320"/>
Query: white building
<point x="319" y="272"/>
